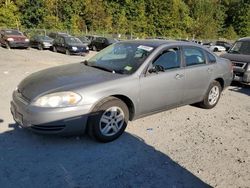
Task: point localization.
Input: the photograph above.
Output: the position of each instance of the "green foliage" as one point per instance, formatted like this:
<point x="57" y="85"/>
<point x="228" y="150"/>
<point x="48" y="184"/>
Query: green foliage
<point x="143" y="18"/>
<point x="230" y="33"/>
<point x="9" y="15"/>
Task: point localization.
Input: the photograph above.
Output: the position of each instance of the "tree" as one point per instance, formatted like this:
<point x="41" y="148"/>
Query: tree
<point x="238" y="15"/>
<point x="9" y="16"/>
<point x="33" y="13"/>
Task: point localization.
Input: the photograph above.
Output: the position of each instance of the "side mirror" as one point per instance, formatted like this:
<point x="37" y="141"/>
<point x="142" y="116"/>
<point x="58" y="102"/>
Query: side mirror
<point x="156" y="69"/>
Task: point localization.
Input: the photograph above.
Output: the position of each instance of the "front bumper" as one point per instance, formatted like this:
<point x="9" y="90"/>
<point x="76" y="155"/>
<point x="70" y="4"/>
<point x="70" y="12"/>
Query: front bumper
<point x="242" y="77"/>
<point x="19" y="44"/>
<point x="61" y="121"/>
<point x="79" y="51"/>
<point x="47" y="46"/>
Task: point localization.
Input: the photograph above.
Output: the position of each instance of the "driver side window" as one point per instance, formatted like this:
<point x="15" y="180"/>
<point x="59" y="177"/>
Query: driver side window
<point x="169" y="59"/>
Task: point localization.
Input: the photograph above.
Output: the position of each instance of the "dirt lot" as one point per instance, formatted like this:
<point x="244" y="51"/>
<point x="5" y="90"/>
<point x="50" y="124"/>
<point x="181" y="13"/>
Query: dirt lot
<point x="184" y="147"/>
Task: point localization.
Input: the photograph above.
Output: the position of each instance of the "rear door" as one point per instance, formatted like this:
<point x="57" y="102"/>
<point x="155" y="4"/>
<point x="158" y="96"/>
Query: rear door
<point x="198" y="74"/>
<point x="162" y="90"/>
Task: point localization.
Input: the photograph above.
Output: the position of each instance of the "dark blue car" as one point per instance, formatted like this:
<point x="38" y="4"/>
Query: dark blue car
<point x="70" y="45"/>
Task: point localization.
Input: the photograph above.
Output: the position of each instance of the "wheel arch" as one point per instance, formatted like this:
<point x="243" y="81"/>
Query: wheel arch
<point x="129" y="103"/>
<point x="221" y="81"/>
<point x="123" y="98"/>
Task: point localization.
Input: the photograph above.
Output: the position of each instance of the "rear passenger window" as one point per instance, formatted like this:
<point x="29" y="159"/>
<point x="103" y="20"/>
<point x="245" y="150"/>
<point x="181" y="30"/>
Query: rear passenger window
<point x="194" y="56"/>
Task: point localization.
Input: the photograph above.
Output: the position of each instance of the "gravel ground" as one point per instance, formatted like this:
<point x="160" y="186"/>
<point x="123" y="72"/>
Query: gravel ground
<point x="183" y="147"/>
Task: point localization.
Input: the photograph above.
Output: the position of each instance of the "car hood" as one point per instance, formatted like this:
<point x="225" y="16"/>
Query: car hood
<point x="63" y="78"/>
<point x="16" y="36"/>
<point x="237" y="57"/>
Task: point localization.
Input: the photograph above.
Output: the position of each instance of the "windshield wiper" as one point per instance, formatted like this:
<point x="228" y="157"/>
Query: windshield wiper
<point x="103" y="68"/>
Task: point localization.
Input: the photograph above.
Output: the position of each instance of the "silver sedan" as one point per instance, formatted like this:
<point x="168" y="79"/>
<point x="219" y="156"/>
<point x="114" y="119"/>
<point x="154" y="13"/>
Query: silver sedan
<point x="123" y="82"/>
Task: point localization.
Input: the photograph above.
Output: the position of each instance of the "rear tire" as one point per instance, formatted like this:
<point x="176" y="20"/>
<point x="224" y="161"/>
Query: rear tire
<point x="108" y="120"/>
<point x="212" y="96"/>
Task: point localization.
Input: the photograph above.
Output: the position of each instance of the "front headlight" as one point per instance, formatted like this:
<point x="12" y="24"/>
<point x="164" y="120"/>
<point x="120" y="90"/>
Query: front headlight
<point x="26" y="40"/>
<point x="74" y="48"/>
<point x="59" y="99"/>
<point x="248" y="67"/>
<point x="87" y="48"/>
<point x="10" y="39"/>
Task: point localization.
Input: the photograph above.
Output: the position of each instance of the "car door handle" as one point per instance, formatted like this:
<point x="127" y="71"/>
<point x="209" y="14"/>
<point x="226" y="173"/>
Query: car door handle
<point x="179" y="76"/>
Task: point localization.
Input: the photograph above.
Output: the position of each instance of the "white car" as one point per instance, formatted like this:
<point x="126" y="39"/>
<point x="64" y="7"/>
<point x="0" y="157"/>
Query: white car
<point x="215" y="48"/>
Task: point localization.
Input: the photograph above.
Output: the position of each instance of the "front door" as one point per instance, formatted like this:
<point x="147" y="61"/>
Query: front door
<point x="162" y="89"/>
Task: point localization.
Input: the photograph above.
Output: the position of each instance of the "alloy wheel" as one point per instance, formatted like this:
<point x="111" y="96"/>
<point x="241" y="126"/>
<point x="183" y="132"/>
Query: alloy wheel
<point x="111" y="121"/>
<point x="213" y="95"/>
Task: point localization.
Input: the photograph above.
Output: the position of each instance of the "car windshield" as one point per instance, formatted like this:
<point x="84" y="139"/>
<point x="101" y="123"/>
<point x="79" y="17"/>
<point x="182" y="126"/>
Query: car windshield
<point x="122" y="58"/>
<point x="13" y="32"/>
<point x="72" y="40"/>
<point x="85" y="39"/>
<point x="240" y="47"/>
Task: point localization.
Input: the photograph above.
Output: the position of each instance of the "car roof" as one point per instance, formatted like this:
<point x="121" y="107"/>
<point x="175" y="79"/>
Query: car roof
<point x="159" y="42"/>
<point x="244" y="39"/>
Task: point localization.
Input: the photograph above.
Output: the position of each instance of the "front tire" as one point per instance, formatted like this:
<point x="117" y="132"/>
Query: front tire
<point x="108" y="120"/>
<point x="54" y="49"/>
<point x="40" y="47"/>
<point x="212" y="96"/>
<point x="67" y="52"/>
<point x="94" y="48"/>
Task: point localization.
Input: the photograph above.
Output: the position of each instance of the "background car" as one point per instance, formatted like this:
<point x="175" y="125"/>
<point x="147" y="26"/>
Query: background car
<point x="84" y="40"/>
<point x="54" y="35"/>
<point x="11" y="38"/>
<point x="224" y="44"/>
<point x="123" y="82"/>
<point x="69" y="45"/>
<point x="41" y="42"/>
<point x="239" y="54"/>
<point x="214" y="48"/>
<point x="99" y="43"/>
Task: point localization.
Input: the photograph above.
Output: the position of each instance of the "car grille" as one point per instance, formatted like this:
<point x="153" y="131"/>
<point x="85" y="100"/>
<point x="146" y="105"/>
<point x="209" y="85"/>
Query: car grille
<point x="239" y="64"/>
<point x="19" y="39"/>
<point x="48" y="128"/>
